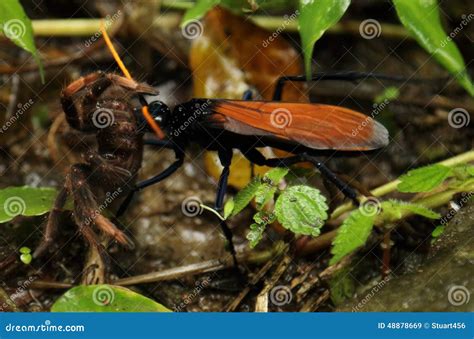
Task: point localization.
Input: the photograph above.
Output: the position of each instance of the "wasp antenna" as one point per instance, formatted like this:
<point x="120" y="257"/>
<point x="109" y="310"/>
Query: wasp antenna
<point x="146" y="113"/>
<point x="112" y="50"/>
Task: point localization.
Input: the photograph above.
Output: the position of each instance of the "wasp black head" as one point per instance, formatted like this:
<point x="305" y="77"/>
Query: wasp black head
<point x="159" y="110"/>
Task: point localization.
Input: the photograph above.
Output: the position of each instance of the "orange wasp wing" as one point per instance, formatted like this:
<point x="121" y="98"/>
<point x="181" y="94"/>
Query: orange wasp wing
<point x="316" y="126"/>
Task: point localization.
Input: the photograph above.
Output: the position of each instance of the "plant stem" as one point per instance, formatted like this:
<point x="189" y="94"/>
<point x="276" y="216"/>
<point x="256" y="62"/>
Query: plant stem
<point x="392" y="185"/>
<point x="89" y="27"/>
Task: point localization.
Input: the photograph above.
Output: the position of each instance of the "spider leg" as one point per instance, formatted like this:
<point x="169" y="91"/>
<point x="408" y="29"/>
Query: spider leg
<point x="52" y="223"/>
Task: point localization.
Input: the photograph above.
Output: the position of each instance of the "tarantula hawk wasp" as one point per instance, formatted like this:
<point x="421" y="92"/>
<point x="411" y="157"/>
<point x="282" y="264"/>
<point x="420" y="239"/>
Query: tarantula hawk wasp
<point x="304" y="129"/>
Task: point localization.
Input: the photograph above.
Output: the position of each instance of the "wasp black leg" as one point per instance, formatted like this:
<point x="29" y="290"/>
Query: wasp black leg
<point x="160" y="143"/>
<point x="151" y="181"/>
<point x="225" y="157"/>
<point x="344" y="76"/>
<point x="255" y="156"/>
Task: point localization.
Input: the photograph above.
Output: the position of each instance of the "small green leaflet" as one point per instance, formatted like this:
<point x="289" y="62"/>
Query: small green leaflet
<point x="228" y="208"/>
<point x="352" y="234"/>
<point x="302" y="210"/>
<point x="394" y="210"/>
<point x="276" y="174"/>
<point x="105" y="298"/>
<point x="424" y="179"/>
<point x="268" y="188"/>
<point x="262" y="219"/>
<point x="437" y="231"/>
<point x="316" y="16"/>
<point x="245" y="195"/>
<point x="25" y="200"/>
<point x="16" y="26"/>
<point x="422" y="20"/>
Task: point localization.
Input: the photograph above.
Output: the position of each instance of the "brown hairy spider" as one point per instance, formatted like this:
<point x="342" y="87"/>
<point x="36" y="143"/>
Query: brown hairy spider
<point x="104" y="104"/>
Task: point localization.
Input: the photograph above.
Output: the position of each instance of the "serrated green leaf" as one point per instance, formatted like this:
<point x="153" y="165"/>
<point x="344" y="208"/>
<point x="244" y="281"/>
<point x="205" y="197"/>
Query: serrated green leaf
<point x="200" y="8"/>
<point x="228" y="208"/>
<point x="264" y="217"/>
<point x="264" y="194"/>
<point x="424" y="179"/>
<point x="245" y="195"/>
<point x="105" y="298"/>
<point x="25" y="200"/>
<point x="422" y="20"/>
<point x="16" y="26"/>
<point x="395" y="210"/>
<point x="352" y="234"/>
<point x="302" y="210"/>
<point x="255" y="234"/>
<point x="275" y="175"/>
<point x="316" y="16"/>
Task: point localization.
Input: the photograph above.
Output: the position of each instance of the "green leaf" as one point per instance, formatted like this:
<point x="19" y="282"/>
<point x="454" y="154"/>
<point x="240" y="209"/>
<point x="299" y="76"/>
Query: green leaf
<point x="16" y="26"/>
<point x="28" y="201"/>
<point x="352" y="234"/>
<point x="255" y="234"/>
<point x="302" y="210"/>
<point x="198" y="11"/>
<point x="275" y="175"/>
<point x="264" y="194"/>
<point x="262" y="219"/>
<point x="316" y="16"/>
<point x="228" y="208"/>
<point x="395" y="209"/>
<point x="245" y="195"/>
<point x="424" y="179"/>
<point x="437" y="231"/>
<point x="105" y="298"/>
<point x="422" y="20"/>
